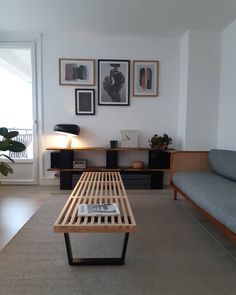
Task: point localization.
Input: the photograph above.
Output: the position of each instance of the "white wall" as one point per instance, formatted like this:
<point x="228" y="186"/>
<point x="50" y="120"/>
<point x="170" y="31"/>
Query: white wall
<point x="199" y="96"/>
<point x="187" y="106"/>
<point x="227" y="113"/>
<point x="148" y="115"/>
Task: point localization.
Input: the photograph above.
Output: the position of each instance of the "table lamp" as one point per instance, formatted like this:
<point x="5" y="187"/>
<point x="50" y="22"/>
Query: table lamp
<point x="70" y="130"/>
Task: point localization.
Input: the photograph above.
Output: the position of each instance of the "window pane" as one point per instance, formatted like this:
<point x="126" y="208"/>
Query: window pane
<point x="16" y="95"/>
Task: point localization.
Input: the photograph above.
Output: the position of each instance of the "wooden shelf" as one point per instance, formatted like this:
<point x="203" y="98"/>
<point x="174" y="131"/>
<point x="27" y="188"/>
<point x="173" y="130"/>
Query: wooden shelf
<point x="77" y="149"/>
<point x="120" y="149"/>
<point x="101" y="168"/>
<point x="90" y="168"/>
<point x="145" y="169"/>
<point x="158" y="163"/>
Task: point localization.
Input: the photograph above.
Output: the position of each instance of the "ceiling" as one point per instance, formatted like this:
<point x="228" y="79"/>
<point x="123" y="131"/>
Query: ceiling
<point x="159" y="18"/>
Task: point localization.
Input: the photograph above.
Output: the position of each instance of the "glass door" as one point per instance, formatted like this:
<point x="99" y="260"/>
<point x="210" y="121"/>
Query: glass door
<point x="18" y="106"/>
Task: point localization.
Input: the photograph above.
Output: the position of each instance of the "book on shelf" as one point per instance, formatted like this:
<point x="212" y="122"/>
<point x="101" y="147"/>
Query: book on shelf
<point x="106" y="209"/>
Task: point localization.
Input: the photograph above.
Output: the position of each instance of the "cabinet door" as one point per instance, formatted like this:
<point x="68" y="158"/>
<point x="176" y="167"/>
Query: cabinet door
<point x="159" y="159"/>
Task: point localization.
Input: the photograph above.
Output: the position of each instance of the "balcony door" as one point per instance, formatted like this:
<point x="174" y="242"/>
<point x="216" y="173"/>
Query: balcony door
<point x="18" y="107"/>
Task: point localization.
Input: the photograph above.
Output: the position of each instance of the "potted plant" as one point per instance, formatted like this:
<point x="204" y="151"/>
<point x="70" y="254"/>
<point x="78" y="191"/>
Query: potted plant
<point x="160" y="142"/>
<point x="8" y="144"/>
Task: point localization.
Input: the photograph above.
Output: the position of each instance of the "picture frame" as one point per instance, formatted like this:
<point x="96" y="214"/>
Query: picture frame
<point x="113" y="82"/>
<point x="145" y="78"/>
<point x="85" y="101"/>
<point x="80" y="72"/>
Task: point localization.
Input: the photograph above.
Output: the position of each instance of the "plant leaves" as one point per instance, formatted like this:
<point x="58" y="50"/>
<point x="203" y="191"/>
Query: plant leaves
<point x="4" y="145"/>
<point x="3" y="155"/>
<point x="16" y="146"/>
<point x="3" y="131"/>
<point x="7" y="144"/>
<point x="160" y="142"/>
<point x="5" y="169"/>
<point x="10" y="135"/>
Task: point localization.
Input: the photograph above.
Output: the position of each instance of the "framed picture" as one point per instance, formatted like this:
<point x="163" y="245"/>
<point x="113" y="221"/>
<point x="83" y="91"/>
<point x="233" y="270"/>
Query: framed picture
<point x="76" y="72"/>
<point x="113" y="82"/>
<point x="85" y="101"/>
<point x="145" y="77"/>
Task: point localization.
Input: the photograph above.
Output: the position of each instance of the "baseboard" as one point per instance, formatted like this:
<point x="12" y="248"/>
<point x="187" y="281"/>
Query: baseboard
<point x="17" y="182"/>
<point x="49" y="181"/>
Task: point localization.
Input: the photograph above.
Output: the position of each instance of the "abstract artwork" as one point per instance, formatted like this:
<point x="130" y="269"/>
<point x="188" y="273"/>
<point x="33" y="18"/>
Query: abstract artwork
<point x="145" y="78"/>
<point x="76" y="72"/>
<point x="84" y="101"/>
<point x="113" y="82"/>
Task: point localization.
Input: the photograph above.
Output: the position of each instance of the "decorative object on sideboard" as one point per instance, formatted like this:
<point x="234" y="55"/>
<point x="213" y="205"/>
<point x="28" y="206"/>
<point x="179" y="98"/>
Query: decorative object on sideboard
<point x="85" y="101"/>
<point x="113" y="82"/>
<point x="113" y="144"/>
<point x="137" y="164"/>
<point x="129" y="138"/>
<point x="77" y="72"/>
<point x="80" y="164"/>
<point x="160" y="142"/>
<point x="70" y="130"/>
<point x="7" y="143"/>
<point x="145" y="77"/>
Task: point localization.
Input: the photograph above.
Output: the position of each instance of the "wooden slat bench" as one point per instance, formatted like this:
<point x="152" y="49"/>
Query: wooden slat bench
<point x="92" y="188"/>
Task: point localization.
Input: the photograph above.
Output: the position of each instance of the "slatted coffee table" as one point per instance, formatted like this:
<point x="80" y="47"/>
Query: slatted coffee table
<point x="92" y="188"/>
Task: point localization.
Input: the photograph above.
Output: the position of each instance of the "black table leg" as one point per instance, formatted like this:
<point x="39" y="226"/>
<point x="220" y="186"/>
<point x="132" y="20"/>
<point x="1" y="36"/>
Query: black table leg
<point x="95" y="261"/>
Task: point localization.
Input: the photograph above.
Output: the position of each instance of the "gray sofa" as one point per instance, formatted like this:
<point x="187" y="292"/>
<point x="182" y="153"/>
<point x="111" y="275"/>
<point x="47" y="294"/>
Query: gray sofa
<point x="208" y="179"/>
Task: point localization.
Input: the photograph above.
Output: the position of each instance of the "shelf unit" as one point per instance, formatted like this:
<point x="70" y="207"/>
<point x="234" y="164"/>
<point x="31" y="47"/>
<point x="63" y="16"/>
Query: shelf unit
<point x="147" y="177"/>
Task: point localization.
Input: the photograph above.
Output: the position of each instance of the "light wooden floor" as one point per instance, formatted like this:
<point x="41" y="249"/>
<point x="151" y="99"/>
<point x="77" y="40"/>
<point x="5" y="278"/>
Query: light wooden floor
<point x="17" y="205"/>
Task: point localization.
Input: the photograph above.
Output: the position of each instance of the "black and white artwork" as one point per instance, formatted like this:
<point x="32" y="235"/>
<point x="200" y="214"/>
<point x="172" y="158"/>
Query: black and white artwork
<point x="145" y="77"/>
<point x="113" y="82"/>
<point x="85" y="101"/>
<point x="76" y="71"/>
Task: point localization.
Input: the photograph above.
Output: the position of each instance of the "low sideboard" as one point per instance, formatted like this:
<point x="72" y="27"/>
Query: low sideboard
<point x="150" y="176"/>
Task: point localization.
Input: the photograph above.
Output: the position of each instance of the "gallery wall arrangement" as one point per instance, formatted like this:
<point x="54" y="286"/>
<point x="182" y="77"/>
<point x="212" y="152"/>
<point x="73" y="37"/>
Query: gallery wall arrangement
<point x="113" y="81"/>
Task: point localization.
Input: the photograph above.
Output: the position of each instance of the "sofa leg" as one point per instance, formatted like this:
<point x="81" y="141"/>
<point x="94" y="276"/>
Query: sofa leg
<point x="174" y="194"/>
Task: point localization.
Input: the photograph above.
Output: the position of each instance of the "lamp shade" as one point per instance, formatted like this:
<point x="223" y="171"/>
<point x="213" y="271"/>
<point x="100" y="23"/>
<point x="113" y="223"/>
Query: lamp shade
<point x="67" y="129"/>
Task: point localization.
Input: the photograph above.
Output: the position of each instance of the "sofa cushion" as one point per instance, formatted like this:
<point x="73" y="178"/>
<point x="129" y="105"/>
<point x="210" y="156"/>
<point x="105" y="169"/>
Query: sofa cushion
<point x="211" y="192"/>
<point x="223" y="162"/>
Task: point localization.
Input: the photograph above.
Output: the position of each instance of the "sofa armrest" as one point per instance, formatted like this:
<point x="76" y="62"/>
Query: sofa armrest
<point x="189" y="161"/>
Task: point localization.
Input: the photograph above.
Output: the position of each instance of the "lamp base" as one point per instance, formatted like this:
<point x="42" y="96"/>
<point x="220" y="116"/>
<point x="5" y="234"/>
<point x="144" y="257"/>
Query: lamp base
<point x="68" y="141"/>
